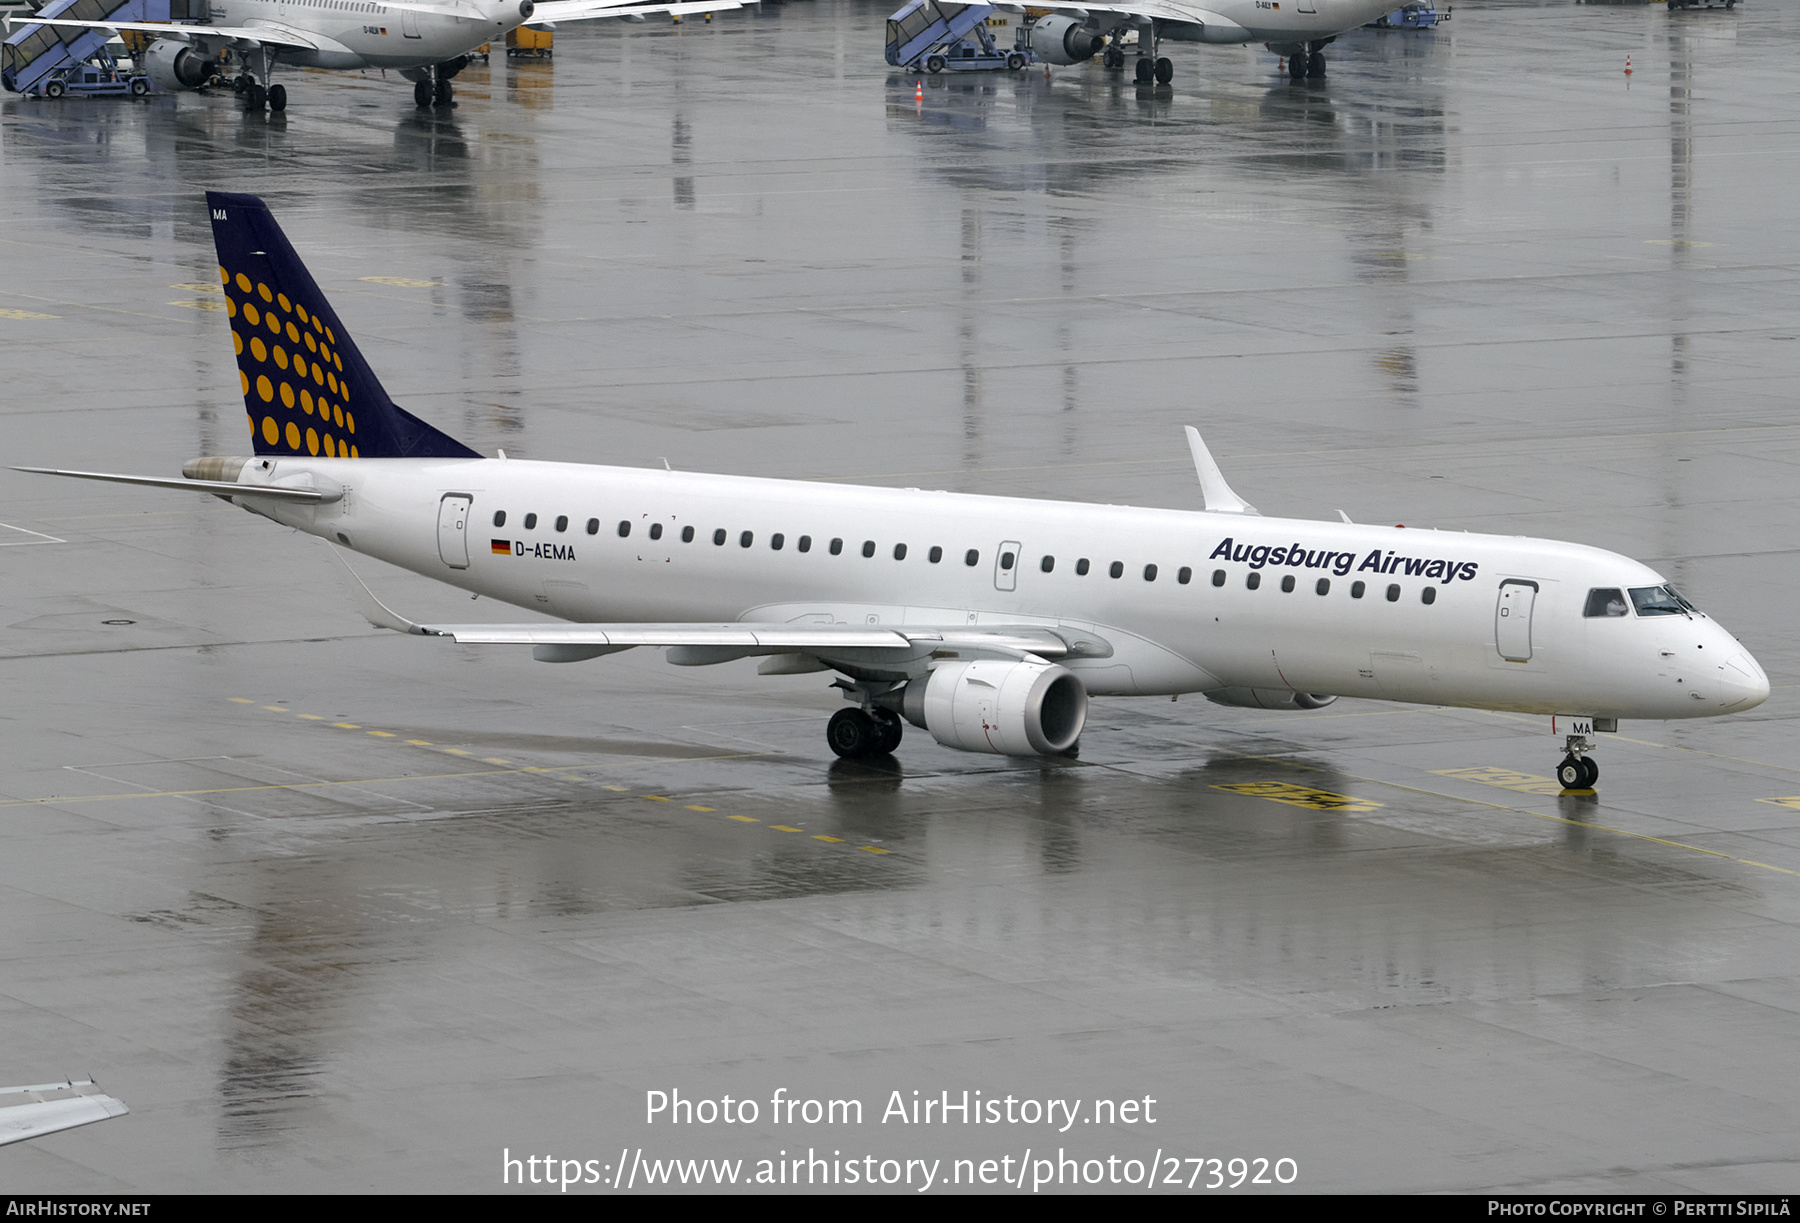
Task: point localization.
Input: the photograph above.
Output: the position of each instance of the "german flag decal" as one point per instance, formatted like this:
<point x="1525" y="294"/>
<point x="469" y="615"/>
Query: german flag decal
<point x="502" y="547"/>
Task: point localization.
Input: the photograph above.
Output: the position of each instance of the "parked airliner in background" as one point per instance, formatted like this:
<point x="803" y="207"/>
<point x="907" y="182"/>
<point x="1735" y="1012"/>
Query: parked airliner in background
<point x="426" y="43"/>
<point x="1297" y="29"/>
<point x="988" y="621"/>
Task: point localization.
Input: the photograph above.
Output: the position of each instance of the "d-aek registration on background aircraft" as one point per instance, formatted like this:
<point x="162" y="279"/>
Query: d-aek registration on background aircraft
<point x="1300" y="30"/>
<point x="426" y="43"/>
<point x="988" y="621"/>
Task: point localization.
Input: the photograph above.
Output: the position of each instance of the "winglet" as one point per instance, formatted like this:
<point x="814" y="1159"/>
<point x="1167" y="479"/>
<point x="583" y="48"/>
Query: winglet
<point x="1213" y="490"/>
<point x="374" y="610"/>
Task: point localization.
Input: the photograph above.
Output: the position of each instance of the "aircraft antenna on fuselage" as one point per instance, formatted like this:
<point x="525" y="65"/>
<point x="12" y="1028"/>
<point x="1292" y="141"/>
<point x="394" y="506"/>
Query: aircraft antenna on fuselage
<point x="1213" y="490"/>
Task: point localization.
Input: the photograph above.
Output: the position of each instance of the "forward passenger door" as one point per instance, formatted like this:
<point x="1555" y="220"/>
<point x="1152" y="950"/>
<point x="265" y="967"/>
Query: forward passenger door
<point x="1512" y="619"/>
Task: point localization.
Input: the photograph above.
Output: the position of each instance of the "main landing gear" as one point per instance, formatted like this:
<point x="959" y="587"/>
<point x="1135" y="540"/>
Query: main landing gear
<point x="1578" y="770"/>
<point x="436" y="90"/>
<point x="1151" y="68"/>
<point x="856" y="733"/>
<point x="1308" y="60"/>
<point x="253" y="86"/>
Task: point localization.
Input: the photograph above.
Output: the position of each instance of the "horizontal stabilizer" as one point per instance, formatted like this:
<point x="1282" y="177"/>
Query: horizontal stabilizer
<point x="45" y="1108"/>
<point x="218" y="487"/>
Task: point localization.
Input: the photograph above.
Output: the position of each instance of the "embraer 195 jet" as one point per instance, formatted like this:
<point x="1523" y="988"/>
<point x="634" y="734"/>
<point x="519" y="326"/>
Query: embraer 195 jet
<point x="426" y="43"/>
<point x="987" y="621"/>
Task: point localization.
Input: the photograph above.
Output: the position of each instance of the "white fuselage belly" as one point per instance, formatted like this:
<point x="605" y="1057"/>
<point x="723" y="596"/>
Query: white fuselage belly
<point x="1168" y="636"/>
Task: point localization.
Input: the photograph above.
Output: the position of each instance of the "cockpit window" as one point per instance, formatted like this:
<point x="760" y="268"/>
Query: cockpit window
<point x="1659" y="601"/>
<point x="1607" y="601"/>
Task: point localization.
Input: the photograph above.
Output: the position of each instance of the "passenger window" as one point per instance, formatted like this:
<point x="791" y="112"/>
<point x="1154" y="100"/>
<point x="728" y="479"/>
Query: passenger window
<point x="1006" y="561"/>
<point x="655" y="530"/>
<point x="1606" y="601"/>
<point x="805" y="544"/>
<point x="562" y="522"/>
<point x="593" y="526"/>
<point x="1184" y="575"/>
<point x="1218" y="577"/>
<point x="1428" y="595"/>
<point x="1393" y="595"/>
<point x="776" y="540"/>
<point x="1253" y="581"/>
<point x="1287" y="584"/>
<point x="935" y="555"/>
<point x="1322" y="586"/>
<point x="687" y="535"/>
<point x="837" y="546"/>
<point x="1356" y="589"/>
<point x="868" y="547"/>
<point x="1081" y="567"/>
<point x="624" y="529"/>
<point x="1116" y="569"/>
<point x="719" y="538"/>
<point x="899" y="552"/>
<point x="746" y="539"/>
<point x="530" y="521"/>
<point x="1149" y="573"/>
<point x="499" y="518"/>
<point x="971" y="558"/>
<point x="1047" y="564"/>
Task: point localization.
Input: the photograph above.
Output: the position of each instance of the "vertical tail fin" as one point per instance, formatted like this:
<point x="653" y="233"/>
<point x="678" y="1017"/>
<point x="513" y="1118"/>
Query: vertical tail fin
<point x="307" y="389"/>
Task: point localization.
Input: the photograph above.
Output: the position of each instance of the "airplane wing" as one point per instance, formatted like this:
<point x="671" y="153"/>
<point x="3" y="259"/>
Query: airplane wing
<point x="1162" y="10"/>
<point x="552" y="11"/>
<point x="269" y="33"/>
<point x="570" y="642"/>
<point x="28" y="1112"/>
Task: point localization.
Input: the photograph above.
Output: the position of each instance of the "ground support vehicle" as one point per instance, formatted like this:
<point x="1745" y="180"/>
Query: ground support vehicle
<point x="97" y="76"/>
<point x="1417" y="17"/>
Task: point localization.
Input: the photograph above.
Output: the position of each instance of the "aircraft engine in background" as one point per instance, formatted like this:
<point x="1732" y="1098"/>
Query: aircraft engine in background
<point x="1269" y="698"/>
<point x="172" y="64"/>
<point x="1064" y="40"/>
<point x="1007" y="708"/>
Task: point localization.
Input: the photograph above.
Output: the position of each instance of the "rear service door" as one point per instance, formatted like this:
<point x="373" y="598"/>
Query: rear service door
<point x="409" y="24"/>
<point x="453" y="529"/>
<point x="1512" y="619"/>
<point x="1006" y="565"/>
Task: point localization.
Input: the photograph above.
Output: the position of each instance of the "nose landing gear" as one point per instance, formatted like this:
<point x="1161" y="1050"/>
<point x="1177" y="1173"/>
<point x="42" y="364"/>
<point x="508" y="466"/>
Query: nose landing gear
<point x="1578" y="770"/>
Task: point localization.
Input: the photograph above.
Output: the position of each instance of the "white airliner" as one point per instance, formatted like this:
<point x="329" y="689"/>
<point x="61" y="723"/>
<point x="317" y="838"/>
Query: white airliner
<point x="1297" y="29"/>
<point x="988" y="621"/>
<point x="426" y="43"/>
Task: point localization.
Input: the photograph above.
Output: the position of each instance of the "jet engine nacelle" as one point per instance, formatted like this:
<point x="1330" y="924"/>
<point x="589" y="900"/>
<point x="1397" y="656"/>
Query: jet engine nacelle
<point x="1064" y="40"/>
<point x="1008" y="708"/>
<point x="1269" y="698"/>
<point x="172" y="64"/>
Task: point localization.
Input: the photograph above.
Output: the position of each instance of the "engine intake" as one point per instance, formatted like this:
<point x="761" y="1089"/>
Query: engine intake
<point x="1064" y="40"/>
<point x="172" y="64"/>
<point x="1007" y="708"/>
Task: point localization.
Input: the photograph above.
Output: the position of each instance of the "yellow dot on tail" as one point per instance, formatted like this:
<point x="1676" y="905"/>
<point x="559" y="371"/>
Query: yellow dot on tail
<point x="224" y="277"/>
<point x="353" y="453"/>
<point x="329" y="336"/>
<point x="281" y="358"/>
<point x="350" y="422"/>
<point x="306" y="401"/>
<point x="273" y="322"/>
<point x="312" y="442"/>
<point x="337" y="414"/>
<point x="244" y="379"/>
<point x="258" y="349"/>
<point x="230" y="308"/>
<point x="265" y="388"/>
<point x="337" y="361"/>
<point x="311" y="344"/>
<point x="262" y="291"/>
<point x="300" y="310"/>
<point x="251" y="313"/>
<point x="287" y="400"/>
<point x="271" y="434"/>
<point x="285" y="304"/>
<point x="331" y="381"/>
<point x="330" y="446"/>
<point x="293" y="434"/>
<point x="237" y="343"/>
<point x="318" y="374"/>
<point x="243" y="283"/>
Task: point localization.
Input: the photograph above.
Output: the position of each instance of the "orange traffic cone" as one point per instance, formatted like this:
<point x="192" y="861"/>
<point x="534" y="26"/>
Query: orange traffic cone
<point x="1627" y="65"/>
<point x="1281" y="66"/>
<point x="919" y="92"/>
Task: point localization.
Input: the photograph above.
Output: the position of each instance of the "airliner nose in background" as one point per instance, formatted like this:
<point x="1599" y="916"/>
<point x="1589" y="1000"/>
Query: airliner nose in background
<point x="988" y="621"/>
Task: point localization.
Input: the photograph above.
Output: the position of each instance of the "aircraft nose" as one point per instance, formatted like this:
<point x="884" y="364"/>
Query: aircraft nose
<point x="1743" y="682"/>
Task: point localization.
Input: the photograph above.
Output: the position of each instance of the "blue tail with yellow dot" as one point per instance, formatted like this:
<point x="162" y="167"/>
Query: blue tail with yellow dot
<point x="307" y="389"/>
